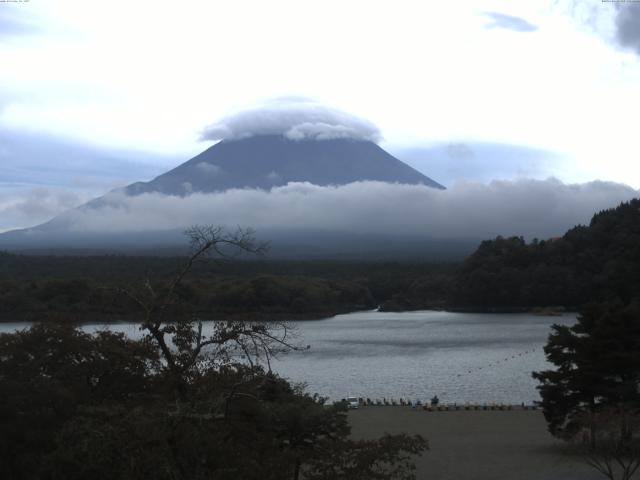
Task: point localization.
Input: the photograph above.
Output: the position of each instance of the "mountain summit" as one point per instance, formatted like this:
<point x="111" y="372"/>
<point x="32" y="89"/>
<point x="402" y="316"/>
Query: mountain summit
<point x="126" y="219"/>
<point x="267" y="161"/>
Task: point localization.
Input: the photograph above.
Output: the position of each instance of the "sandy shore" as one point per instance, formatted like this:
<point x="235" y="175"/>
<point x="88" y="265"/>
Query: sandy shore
<point x="477" y="445"/>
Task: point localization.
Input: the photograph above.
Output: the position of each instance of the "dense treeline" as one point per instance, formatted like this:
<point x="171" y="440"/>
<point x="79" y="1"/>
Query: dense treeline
<point x="594" y="262"/>
<point x="88" y="288"/>
<point x="591" y="397"/>
<point x="78" y="406"/>
<point x="598" y="261"/>
<point x="177" y="404"/>
<point x="261" y="296"/>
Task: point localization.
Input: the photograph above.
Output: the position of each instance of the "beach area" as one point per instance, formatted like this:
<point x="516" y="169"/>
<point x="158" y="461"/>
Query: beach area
<point x="477" y="445"/>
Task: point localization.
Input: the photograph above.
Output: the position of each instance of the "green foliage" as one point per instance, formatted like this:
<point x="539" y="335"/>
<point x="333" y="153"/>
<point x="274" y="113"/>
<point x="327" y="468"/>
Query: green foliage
<point x="80" y="289"/>
<point x="178" y="404"/>
<point x="78" y="406"/>
<point x="597" y="364"/>
<point x="594" y="262"/>
<point x="49" y="372"/>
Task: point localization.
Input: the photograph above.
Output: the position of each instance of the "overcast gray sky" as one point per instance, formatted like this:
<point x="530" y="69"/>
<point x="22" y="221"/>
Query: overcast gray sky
<point x="95" y="95"/>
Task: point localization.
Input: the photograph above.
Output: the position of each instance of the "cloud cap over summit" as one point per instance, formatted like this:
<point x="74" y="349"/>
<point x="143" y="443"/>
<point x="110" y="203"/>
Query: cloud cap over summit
<point x="295" y="118"/>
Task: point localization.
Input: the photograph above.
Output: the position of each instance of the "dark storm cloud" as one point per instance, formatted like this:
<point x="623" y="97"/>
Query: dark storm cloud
<point x="509" y="22"/>
<point x="296" y="118"/>
<point x="628" y="25"/>
<point x="533" y="208"/>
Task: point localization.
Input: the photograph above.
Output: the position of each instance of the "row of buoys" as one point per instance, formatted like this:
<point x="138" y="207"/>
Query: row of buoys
<point x="401" y="402"/>
<point x="499" y="362"/>
<point x="436" y="406"/>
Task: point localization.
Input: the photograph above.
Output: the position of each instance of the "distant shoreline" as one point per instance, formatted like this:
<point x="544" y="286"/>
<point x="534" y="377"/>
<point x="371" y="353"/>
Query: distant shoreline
<point x="220" y="316"/>
<point x="551" y="311"/>
<point x="102" y="319"/>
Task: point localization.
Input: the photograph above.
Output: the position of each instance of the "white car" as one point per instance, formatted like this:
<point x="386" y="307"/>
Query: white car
<point x="352" y="402"/>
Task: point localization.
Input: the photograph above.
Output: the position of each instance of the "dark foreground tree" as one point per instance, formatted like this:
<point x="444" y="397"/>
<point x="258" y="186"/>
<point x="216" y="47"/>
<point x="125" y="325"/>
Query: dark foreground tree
<point x="50" y="373"/>
<point x="184" y="402"/>
<point x="593" y="396"/>
<point x="597" y="364"/>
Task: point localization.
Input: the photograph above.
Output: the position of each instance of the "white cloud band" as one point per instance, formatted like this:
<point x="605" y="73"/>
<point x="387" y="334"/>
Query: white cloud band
<point x="533" y="208"/>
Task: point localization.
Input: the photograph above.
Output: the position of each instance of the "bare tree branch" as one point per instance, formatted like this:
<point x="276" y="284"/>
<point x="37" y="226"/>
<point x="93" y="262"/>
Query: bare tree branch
<point x="256" y="341"/>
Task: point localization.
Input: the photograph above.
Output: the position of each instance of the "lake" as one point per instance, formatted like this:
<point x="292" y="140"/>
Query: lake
<point x="461" y="357"/>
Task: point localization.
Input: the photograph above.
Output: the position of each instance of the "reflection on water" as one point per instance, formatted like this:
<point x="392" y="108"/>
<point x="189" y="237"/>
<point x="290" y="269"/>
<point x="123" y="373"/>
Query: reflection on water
<point x="458" y="356"/>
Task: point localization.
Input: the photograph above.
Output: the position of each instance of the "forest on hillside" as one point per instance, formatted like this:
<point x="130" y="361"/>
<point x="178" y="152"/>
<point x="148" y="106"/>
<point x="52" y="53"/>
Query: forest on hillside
<point x="90" y="288"/>
<point x="588" y="263"/>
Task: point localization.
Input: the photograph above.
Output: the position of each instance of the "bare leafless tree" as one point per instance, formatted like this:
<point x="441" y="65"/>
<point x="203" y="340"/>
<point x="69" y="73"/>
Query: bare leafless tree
<point x="183" y="343"/>
<point x="609" y="442"/>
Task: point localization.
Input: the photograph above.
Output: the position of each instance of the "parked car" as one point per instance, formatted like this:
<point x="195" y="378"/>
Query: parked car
<point x="352" y="402"/>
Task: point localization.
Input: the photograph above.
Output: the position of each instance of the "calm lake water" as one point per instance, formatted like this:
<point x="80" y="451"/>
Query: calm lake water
<point x="458" y="356"/>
